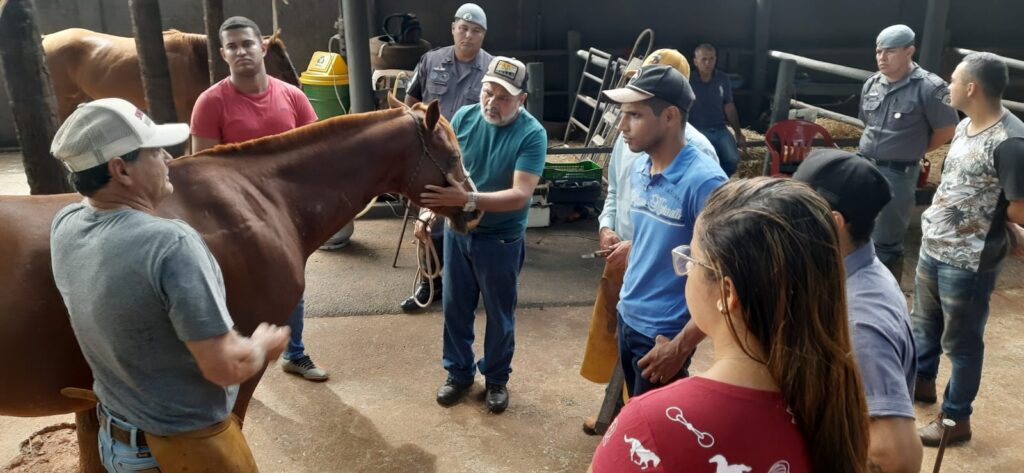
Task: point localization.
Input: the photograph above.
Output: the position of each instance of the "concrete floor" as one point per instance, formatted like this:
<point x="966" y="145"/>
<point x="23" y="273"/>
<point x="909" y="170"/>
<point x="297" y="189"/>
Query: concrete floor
<point x="377" y="413"/>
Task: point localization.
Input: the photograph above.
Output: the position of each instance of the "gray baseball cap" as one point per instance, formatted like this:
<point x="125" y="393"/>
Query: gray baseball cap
<point x="472" y="13"/>
<point x="895" y="36"/>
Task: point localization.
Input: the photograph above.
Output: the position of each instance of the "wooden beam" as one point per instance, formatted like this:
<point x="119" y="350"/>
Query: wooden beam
<point x="535" y="89"/>
<point x="31" y="96"/>
<point x="213" y="17"/>
<point x="933" y="41"/>
<point x="762" y="37"/>
<point x="783" y="90"/>
<point x="156" y="79"/>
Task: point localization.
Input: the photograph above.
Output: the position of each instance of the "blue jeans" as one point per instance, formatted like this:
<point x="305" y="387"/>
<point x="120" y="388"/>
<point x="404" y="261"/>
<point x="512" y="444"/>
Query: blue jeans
<point x="725" y="147"/>
<point x="118" y="457"/>
<point x="950" y="311"/>
<point x="475" y="265"/>
<point x="894" y="219"/>
<point x="633" y="346"/>
<point x="296" y="349"/>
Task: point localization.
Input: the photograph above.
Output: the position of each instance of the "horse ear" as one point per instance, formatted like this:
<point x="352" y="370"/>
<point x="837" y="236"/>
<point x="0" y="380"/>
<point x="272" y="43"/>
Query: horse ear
<point x="433" y="114"/>
<point x="394" y="102"/>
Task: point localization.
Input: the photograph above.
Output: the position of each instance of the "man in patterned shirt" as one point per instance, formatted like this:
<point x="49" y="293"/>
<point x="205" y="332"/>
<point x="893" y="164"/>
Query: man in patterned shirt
<point x="966" y="233"/>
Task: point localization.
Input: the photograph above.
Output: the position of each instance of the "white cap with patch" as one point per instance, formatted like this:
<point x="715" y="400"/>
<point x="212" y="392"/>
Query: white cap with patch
<point x="508" y="72"/>
<point x="103" y="129"/>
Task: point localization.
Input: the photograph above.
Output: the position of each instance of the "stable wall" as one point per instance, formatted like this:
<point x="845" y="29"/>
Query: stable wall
<point x="838" y="30"/>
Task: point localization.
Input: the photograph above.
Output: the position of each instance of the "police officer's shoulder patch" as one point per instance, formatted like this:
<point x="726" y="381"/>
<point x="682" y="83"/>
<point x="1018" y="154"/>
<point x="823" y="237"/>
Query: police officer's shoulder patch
<point x="942" y="94"/>
<point x="935" y="80"/>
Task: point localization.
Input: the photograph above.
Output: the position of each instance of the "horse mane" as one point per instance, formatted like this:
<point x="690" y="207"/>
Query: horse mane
<point x="289" y="140"/>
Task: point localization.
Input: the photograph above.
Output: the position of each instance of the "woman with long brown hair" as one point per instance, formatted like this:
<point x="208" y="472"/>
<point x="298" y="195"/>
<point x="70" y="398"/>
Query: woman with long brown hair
<point x="765" y="282"/>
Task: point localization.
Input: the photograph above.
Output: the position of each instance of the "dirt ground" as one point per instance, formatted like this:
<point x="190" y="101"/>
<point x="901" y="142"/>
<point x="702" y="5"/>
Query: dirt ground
<point x="377" y="412"/>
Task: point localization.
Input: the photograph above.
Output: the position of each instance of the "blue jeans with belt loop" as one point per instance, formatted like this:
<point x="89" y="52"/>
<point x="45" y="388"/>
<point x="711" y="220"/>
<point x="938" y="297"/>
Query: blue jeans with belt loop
<point x="119" y="457"/>
<point x="725" y="147"/>
<point x="951" y="307"/>
<point x="480" y="264"/>
<point x="894" y="219"/>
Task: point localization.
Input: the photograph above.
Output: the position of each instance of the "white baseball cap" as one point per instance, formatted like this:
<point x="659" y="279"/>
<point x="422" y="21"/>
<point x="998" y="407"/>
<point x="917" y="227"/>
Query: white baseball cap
<point x="509" y="72"/>
<point x="103" y="129"/>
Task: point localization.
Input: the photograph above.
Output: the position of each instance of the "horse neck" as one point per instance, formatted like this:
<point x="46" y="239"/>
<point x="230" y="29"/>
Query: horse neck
<point x="322" y="177"/>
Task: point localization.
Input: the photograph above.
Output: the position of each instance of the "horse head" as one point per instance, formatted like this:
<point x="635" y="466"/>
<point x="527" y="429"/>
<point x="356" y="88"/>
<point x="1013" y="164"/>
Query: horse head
<point x="441" y="156"/>
<point x="277" y="61"/>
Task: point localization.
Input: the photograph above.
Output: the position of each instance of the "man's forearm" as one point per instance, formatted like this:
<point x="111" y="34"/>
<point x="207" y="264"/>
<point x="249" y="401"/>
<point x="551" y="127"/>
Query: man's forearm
<point x="688" y="338"/>
<point x="502" y="201"/>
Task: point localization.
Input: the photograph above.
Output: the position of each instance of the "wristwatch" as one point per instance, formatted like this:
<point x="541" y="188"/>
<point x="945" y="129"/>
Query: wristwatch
<point x="471" y="202"/>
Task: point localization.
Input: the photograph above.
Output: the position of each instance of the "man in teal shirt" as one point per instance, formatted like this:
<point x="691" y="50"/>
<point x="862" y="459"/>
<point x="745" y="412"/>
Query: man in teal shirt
<point x="503" y="148"/>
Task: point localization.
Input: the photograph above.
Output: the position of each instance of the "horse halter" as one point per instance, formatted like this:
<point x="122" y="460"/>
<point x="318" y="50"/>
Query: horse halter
<point x="420" y="126"/>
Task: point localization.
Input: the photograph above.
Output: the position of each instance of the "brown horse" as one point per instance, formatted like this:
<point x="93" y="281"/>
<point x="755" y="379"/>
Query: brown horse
<point x="86" y="65"/>
<point x="262" y="206"/>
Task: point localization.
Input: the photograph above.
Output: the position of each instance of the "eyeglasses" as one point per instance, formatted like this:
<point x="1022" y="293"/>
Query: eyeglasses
<point x="682" y="260"/>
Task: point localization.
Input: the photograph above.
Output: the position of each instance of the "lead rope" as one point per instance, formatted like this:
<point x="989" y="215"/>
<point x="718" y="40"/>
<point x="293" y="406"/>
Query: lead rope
<point x="428" y="265"/>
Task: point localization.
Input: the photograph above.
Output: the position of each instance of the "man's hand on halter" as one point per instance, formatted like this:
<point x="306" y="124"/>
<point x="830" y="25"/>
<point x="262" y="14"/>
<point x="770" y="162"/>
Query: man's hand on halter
<point x="452" y="195"/>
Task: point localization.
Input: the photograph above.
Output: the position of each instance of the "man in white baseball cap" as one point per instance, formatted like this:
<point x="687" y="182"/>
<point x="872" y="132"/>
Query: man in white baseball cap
<point x="146" y="301"/>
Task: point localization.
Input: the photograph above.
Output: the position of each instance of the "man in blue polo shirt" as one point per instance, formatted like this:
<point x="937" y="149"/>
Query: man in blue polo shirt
<point x="669" y="187"/>
<point x="879" y="321"/>
<point x="503" y="148"/>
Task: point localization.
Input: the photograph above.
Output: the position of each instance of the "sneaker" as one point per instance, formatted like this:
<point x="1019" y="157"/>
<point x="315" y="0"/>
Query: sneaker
<point x="422" y="294"/>
<point x="305" y="367"/>
<point x="931" y="434"/>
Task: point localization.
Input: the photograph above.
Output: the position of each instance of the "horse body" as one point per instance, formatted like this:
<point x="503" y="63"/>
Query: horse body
<point x="85" y="65"/>
<point x="262" y="208"/>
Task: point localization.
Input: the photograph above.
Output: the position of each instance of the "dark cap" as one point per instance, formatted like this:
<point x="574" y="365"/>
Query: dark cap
<point x="660" y="81"/>
<point x="852" y="185"/>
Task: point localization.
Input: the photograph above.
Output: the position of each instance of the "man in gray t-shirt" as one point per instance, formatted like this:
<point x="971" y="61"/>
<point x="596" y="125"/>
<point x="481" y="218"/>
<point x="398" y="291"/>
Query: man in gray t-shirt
<point x="879" y="321"/>
<point x="146" y="300"/>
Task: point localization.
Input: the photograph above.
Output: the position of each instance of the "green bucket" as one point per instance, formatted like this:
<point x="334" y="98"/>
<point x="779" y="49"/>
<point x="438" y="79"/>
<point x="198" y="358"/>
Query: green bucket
<point x="325" y="83"/>
<point x="325" y="99"/>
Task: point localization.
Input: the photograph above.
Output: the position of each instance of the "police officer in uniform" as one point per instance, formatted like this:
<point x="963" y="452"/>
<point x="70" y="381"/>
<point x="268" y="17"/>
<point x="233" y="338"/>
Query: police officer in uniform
<point x="906" y="113"/>
<point x="452" y="75"/>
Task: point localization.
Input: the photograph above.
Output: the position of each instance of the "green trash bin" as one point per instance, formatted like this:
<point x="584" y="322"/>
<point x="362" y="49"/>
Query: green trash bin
<point x="325" y="83"/>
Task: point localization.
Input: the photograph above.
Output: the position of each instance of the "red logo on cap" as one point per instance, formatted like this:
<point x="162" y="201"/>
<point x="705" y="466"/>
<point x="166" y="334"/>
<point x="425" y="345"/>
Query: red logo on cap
<point x="138" y="114"/>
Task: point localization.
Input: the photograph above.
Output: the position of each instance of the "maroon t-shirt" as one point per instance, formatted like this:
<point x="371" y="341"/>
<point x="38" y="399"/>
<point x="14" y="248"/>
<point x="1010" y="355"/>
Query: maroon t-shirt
<point x="700" y="425"/>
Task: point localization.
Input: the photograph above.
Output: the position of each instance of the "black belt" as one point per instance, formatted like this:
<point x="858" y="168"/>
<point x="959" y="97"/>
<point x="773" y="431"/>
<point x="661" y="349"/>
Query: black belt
<point x="120" y="433"/>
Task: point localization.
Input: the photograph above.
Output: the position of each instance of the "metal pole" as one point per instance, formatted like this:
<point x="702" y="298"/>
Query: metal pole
<point x="356" y="37"/>
<point x="535" y="89"/>
<point x="30" y="93"/>
<point x="1010" y="62"/>
<point x="816" y="65"/>
<point x="839" y="117"/>
<point x="934" y="38"/>
<point x="946" y="425"/>
<point x="213" y="16"/>
<point x="762" y="36"/>
<point x="783" y="90"/>
<point x="156" y="76"/>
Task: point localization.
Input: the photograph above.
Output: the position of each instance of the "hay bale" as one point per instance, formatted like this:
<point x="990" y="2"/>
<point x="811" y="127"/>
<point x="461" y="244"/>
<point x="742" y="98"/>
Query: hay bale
<point x="839" y="129"/>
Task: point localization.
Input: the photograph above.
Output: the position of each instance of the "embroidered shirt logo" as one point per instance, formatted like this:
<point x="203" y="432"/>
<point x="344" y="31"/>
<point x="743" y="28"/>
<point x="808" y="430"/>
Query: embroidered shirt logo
<point x="781" y="466"/>
<point x="723" y="466"/>
<point x="639" y="455"/>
